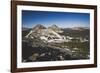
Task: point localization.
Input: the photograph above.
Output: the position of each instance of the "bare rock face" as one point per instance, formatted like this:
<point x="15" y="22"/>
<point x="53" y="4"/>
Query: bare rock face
<point x="38" y="27"/>
<point x="56" y="28"/>
<point x="50" y="34"/>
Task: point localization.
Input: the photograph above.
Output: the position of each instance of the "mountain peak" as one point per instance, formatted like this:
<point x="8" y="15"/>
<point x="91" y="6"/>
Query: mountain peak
<point x="55" y="28"/>
<point x="39" y="26"/>
<point x="79" y="28"/>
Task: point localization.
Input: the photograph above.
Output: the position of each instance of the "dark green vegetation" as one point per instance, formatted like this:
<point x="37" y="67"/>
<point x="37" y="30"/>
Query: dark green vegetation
<point x="42" y="54"/>
<point x="25" y="32"/>
<point x="76" y="33"/>
<point x="78" y="47"/>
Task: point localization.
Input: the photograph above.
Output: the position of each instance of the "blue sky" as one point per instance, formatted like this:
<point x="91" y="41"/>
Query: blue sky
<point x="61" y="19"/>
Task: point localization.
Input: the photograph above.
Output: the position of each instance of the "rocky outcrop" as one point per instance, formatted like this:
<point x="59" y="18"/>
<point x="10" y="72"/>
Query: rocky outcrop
<point x="55" y="28"/>
<point x="50" y="34"/>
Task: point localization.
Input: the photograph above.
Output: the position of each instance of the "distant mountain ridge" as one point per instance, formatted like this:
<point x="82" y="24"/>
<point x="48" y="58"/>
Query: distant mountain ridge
<point x="79" y="28"/>
<point x="25" y="28"/>
<point x="74" y="31"/>
<point x="54" y="27"/>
